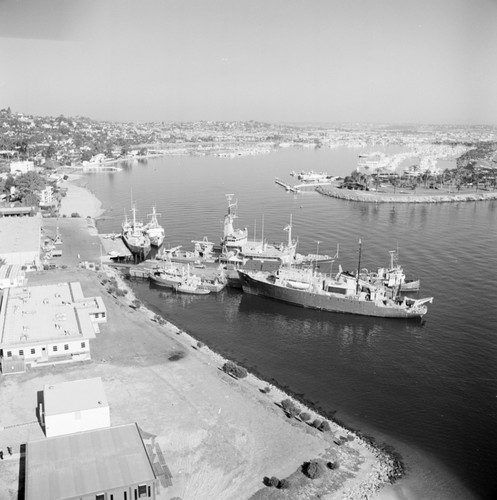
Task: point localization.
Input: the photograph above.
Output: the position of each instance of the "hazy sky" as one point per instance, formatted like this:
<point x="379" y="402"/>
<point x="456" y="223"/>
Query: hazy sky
<point x="424" y="61"/>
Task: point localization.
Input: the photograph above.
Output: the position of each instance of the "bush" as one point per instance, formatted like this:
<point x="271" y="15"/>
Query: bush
<point x="136" y="303"/>
<point x="234" y="370"/>
<point x="332" y="465"/>
<point x="304" y="416"/>
<point x="313" y="469"/>
<point x="284" y="484"/>
<point x="290" y="408"/>
<point x="266" y="390"/>
<point x="75" y="214"/>
<point x="325" y="426"/>
<point x="272" y="482"/>
<point x="200" y="344"/>
<point x="317" y="423"/>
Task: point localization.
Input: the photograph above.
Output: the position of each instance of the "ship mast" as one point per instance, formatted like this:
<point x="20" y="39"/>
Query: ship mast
<point x="358" y="266"/>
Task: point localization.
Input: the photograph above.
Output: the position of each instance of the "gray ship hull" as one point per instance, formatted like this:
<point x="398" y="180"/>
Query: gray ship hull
<point x="325" y="302"/>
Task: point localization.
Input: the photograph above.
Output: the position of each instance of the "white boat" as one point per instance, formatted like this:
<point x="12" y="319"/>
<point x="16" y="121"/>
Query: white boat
<point x="133" y="236"/>
<point x="192" y="285"/>
<point x="154" y="230"/>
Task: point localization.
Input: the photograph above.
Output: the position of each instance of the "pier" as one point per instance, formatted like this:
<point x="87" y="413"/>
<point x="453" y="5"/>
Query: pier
<point x="298" y="187"/>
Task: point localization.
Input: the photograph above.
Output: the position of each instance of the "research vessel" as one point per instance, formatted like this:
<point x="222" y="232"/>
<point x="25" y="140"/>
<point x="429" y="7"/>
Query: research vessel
<point x="343" y="293"/>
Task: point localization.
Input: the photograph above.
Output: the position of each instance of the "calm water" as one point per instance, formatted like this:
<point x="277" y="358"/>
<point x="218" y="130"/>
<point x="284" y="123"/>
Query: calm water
<point x="428" y="388"/>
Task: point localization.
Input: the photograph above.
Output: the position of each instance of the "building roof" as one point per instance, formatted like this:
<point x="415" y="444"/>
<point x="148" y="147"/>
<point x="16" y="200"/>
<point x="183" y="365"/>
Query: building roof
<point x="46" y="313"/>
<point x="20" y="234"/>
<point x="78" y="395"/>
<point x="86" y="463"/>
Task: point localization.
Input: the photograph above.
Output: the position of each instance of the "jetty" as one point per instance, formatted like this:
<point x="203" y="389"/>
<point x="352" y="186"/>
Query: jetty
<point x="297" y="187"/>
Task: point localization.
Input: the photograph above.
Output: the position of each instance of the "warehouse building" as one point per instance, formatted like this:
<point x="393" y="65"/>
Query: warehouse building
<point x="101" y="464"/>
<point x="20" y="240"/>
<point x="47" y="324"/>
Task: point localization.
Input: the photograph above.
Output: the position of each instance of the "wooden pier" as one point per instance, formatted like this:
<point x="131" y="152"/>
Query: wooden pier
<point x="298" y="187"/>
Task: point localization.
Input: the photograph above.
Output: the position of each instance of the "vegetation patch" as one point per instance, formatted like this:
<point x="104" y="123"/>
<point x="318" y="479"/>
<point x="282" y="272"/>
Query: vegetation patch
<point x="176" y="356"/>
<point x="234" y="370"/>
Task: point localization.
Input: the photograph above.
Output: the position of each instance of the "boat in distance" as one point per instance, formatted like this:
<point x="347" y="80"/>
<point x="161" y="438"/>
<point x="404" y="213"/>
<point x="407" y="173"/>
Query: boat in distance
<point x="341" y="294"/>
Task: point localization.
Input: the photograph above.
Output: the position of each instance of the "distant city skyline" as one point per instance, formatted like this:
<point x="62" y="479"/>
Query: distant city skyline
<point x="321" y="61"/>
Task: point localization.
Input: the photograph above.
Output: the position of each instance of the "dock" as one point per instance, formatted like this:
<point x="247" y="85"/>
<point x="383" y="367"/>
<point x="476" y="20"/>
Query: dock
<point x="114" y="248"/>
<point x="298" y="187"/>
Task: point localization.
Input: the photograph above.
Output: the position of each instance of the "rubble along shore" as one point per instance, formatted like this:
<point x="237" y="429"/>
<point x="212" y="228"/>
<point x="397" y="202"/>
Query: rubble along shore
<point x="375" y="197"/>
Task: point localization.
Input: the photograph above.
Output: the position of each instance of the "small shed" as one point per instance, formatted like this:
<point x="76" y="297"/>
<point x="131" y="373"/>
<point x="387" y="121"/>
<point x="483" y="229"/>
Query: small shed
<point x="76" y="406"/>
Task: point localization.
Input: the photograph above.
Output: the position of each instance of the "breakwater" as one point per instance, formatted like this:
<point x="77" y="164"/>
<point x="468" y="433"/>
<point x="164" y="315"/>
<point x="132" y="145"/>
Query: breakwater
<point x="375" y="197"/>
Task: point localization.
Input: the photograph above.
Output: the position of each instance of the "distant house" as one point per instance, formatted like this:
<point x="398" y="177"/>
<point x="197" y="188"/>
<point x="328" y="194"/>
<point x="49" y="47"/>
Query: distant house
<point x="21" y="166"/>
<point x="47" y="324"/>
<point x="76" y="406"/>
<point x="101" y="464"/>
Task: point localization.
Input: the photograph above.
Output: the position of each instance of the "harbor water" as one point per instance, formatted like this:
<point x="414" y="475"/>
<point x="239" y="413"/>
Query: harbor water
<point x="428" y="388"/>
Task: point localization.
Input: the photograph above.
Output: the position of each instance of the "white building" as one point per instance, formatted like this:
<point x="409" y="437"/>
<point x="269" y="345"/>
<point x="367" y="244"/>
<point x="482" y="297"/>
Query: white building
<point x="47" y="324"/>
<point x="20" y="239"/>
<point x="75" y="406"/>
<point x="46" y="197"/>
<point x="21" y="166"/>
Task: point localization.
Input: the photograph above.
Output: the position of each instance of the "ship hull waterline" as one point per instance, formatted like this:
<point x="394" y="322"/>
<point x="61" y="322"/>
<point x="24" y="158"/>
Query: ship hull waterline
<point x="330" y="303"/>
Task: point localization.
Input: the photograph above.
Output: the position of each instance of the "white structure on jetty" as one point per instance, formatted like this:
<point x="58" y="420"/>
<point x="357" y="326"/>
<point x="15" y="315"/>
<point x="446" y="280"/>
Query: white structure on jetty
<point x="76" y="406"/>
<point x="47" y="324"/>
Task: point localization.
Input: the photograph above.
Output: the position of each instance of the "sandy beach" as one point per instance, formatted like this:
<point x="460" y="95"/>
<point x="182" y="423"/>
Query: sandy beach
<point x="79" y="200"/>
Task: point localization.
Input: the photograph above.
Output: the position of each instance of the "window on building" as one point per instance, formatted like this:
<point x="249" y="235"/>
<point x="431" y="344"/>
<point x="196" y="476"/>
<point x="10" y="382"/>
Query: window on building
<point x="21" y="352"/>
<point x="100" y="496"/>
<point x="66" y="347"/>
<point x="55" y="348"/>
<point x="125" y="496"/>
<point x="9" y="354"/>
<point x="142" y="491"/>
<point x="33" y="351"/>
<point x="83" y="345"/>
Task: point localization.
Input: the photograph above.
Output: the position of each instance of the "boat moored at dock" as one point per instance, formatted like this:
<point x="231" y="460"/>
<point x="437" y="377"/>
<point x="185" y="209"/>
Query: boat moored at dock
<point x="342" y="294"/>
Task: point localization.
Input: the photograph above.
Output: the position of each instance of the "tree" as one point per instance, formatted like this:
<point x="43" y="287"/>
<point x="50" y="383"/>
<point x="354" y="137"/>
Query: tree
<point x="28" y="183"/>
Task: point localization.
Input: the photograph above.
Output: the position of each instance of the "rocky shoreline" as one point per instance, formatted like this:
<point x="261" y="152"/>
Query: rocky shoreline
<point x="375" y="197"/>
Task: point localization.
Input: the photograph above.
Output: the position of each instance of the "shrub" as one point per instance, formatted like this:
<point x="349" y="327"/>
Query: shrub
<point x="325" y="426"/>
<point x="304" y="416"/>
<point x="75" y="214"/>
<point x="266" y="390"/>
<point x="313" y="469"/>
<point x="332" y="465"/>
<point x="317" y="423"/>
<point x="289" y="408"/>
<point x="136" y="303"/>
<point x="284" y="484"/>
<point x="200" y="344"/>
<point x="275" y="482"/>
<point x="234" y="370"/>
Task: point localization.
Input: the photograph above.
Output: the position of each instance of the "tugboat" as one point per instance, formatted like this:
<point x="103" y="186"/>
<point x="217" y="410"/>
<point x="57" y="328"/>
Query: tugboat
<point x="133" y="236"/>
<point x="154" y="230"/>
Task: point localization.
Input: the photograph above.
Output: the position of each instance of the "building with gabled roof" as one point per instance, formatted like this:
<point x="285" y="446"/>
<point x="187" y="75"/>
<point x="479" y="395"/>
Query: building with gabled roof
<point x="101" y="464"/>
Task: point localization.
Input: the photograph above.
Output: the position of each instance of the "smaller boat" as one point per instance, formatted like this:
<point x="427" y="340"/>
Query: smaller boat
<point x="167" y="275"/>
<point x="192" y="285"/>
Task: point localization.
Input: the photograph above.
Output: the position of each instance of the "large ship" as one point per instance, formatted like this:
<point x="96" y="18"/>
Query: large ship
<point x="236" y="246"/>
<point x="343" y="293"/>
<point x="154" y="230"/>
<point x="134" y="237"/>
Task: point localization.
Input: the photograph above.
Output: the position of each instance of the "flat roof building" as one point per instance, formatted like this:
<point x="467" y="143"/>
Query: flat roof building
<point x="102" y="464"/>
<point x="12" y="275"/>
<point x="47" y="324"/>
<point x="76" y="406"/>
<point x="20" y="240"/>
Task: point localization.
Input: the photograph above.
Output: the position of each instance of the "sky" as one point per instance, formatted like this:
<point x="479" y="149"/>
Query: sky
<point x="323" y="61"/>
